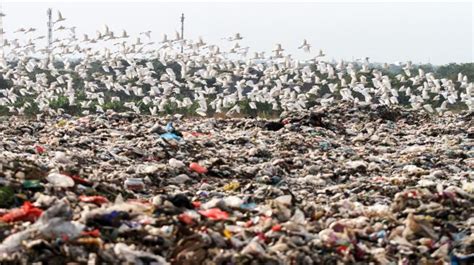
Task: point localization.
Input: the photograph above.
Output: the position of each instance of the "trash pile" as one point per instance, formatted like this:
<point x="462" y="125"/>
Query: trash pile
<point x="327" y="185"/>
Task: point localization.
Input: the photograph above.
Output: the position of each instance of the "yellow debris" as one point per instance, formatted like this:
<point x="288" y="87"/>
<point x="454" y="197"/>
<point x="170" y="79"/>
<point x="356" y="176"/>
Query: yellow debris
<point x="231" y="186"/>
<point x="227" y="234"/>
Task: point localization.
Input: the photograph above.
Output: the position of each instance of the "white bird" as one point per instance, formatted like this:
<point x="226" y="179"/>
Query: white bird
<point x="124" y="34"/>
<point x="305" y="46"/>
<point x="164" y="38"/>
<point x="153" y="110"/>
<point x="236" y="37"/>
<point x="140" y="75"/>
<point x="138" y="41"/>
<point x="278" y="48"/>
<point x="428" y="108"/>
<point x="60" y="17"/>
<point x="321" y="54"/>
<point x="146" y="33"/>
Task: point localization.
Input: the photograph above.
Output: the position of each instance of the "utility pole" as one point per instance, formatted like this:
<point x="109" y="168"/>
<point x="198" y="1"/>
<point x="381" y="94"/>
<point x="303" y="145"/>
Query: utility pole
<point x="2" y="42"/>
<point x="50" y="28"/>
<point x="182" y="32"/>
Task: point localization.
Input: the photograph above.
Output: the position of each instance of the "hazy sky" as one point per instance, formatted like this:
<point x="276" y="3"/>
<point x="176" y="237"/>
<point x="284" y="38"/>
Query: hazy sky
<point x="422" y="32"/>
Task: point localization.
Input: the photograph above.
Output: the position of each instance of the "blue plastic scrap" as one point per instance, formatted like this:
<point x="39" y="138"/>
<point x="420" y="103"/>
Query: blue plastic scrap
<point x="170" y="136"/>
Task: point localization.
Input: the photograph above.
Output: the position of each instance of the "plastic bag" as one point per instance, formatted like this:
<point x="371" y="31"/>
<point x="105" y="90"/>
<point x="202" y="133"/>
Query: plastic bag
<point x="59" y="228"/>
<point x="60" y="180"/>
<point x="26" y="213"/>
<point x="233" y="201"/>
<point x="13" y="242"/>
<point x="134" y="256"/>
<point x="170" y="136"/>
<point x="215" y="214"/>
<point x="176" y="163"/>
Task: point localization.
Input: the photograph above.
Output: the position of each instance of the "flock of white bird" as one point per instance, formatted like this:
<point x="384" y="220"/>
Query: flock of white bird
<point x="209" y="77"/>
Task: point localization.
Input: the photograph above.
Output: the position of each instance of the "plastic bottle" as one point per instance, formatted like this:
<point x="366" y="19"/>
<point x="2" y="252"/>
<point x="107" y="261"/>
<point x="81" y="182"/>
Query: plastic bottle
<point x="134" y="184"/>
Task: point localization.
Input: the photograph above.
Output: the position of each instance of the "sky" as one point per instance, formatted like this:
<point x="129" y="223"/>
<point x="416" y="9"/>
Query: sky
<point x="426" y="32"/>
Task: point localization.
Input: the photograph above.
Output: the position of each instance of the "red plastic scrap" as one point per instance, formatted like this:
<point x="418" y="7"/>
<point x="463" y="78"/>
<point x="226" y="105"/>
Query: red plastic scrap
<point x="276" y="228"/>
<point x="78" y="180"/>
<point x="27" y="212"/>
<point x="196" y="204"/>
<point x="93" y="233"/>
<point x="261" y="236"/>
<point x="249" y="223"/>
<point x="39" y="149"/>
<point x="411" y="194"/>
<point x="99" y="200"/>
<point x="197" y="168"/>
<point x="342" y="249"/>
<point x="186" y="219"/>
<point x="64" y="237"/>
<point x="359" y="253"/>
<point x="215" y="214"/>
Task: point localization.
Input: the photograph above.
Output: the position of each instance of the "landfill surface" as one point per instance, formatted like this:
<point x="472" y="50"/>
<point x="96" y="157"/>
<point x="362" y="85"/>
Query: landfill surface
<point x="328" y="185"/>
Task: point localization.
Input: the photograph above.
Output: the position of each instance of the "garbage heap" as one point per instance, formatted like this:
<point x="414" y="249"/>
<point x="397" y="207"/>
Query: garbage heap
<point x="329" y="185"/>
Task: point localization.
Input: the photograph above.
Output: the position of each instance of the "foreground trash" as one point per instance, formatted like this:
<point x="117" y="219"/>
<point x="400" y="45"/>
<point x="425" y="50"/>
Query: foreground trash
<point x="333" y="184"/>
